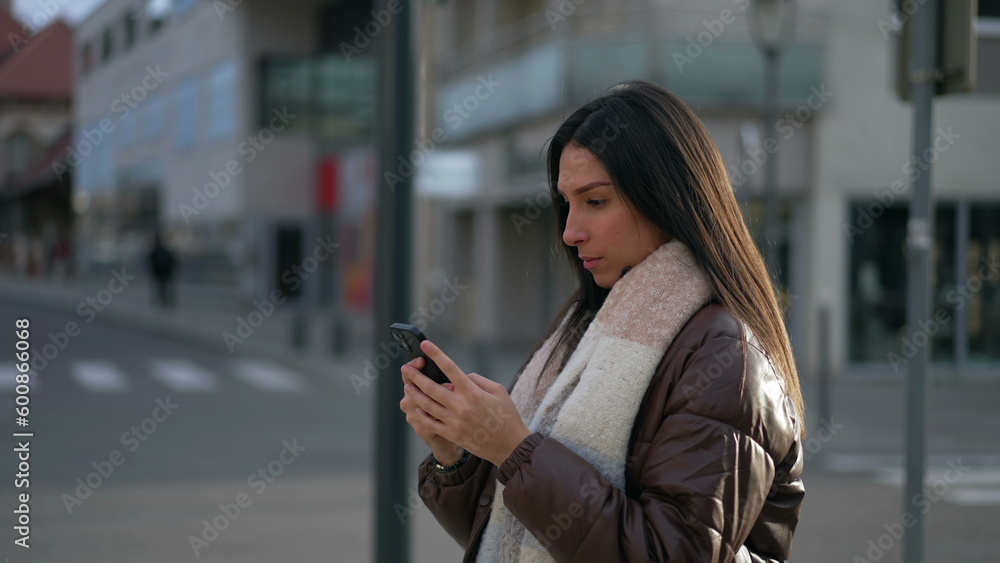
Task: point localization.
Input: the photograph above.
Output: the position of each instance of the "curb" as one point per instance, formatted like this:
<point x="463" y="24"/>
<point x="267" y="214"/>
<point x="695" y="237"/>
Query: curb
<point x="110" y="316"/>
<point x="165" y="326"/>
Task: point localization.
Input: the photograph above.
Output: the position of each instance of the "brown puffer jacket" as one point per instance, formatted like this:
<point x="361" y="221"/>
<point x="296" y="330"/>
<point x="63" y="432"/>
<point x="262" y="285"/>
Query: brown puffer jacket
<point x="713" y="474"/>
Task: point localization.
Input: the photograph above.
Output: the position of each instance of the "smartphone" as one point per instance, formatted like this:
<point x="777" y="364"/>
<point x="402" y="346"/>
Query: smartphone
<point x="409" y="338"/>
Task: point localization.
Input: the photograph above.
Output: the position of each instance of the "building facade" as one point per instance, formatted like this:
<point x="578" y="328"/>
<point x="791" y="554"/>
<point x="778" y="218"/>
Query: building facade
<point x="36" y="220"/>
<point x="858" y="216"/>
<point x="500" y="76"/>
<point x="221" y="123"/>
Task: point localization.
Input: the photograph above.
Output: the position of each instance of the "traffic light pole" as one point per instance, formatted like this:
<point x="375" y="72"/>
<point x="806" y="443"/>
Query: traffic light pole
<point x="920" y="233"/>
<point x="394" y="136"/>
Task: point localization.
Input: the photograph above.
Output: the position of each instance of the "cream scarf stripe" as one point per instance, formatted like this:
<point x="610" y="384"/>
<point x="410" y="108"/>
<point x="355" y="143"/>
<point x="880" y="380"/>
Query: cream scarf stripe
<point x="591" y="405"/>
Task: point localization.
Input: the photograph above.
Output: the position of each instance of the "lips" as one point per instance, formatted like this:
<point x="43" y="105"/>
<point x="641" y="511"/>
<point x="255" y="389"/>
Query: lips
<point x="589" y="262"/>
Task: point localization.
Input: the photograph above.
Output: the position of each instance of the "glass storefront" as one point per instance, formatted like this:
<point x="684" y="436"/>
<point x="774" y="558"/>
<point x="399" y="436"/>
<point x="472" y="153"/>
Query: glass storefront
<point x="965" y="282"/>
<point x="983" y="266"/>
<point x="331" y="98"/>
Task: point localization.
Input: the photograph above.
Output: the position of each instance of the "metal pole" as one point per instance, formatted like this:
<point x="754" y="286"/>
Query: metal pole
<point x="392" y="276"/>
<point x="823" y="384"/>
<point x="771" y="205"/>
<point x="920" y="233"/>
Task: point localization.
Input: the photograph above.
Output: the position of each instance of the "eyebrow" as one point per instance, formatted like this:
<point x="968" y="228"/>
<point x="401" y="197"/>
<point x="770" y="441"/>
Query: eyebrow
<point x="587" y="188"/>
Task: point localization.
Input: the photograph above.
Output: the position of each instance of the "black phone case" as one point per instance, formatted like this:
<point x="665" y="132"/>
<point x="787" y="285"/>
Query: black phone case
<point x="409" y="337"/>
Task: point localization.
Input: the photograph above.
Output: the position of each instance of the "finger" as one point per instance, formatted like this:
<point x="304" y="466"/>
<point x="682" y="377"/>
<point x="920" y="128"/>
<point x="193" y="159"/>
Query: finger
<point x="422" y="401"/>
<point x="408" y="406"/>
<point x="416" y="377"/>
<point x="450" y="368"/>
<point x="406" y="374"/>
<point x="486" y="384"/>
<point x="442" y="394"/>
<point x="430" y="423"/>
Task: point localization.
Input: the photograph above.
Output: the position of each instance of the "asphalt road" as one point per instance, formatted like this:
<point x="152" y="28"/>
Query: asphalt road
<point x="137" y="441"/>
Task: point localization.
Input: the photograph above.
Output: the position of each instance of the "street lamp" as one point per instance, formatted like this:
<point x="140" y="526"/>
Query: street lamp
<point x="771" y="25"/>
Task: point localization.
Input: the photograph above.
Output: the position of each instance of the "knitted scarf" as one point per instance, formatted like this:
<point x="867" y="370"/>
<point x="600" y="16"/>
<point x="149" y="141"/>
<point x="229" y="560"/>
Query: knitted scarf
<point x="591" y="404"/>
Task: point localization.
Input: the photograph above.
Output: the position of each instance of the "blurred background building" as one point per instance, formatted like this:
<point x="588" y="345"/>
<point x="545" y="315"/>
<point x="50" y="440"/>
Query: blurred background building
<point x="842" y="141"/>
<point x="244" y="130"/>
<point x="226" y="117"/>
<point x="36" y="89"/>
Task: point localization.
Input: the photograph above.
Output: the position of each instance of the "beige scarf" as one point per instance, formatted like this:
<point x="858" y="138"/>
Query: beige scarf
<point x="591" y="404"/>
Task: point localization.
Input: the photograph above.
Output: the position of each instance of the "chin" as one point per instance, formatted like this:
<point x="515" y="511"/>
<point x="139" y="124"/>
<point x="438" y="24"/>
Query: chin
<point x="602" y="281"/>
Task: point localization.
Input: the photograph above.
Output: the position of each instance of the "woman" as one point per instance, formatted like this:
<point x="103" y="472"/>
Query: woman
<point x="661" y="418"/>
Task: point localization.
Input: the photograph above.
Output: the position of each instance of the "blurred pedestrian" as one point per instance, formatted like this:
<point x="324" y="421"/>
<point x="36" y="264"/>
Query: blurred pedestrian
<point x="162" y="265"/>
<point x="660" y="419"/>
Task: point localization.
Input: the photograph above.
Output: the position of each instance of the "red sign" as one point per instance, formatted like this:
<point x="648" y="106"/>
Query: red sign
<point x="327" y="188"/>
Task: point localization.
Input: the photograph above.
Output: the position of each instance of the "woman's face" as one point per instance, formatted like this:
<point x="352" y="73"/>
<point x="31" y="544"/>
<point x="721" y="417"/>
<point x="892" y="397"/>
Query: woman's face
<point x="608" y="233"/>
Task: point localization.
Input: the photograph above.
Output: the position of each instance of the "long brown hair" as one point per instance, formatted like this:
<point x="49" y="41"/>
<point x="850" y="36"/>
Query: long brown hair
<point x="661" y="157"/>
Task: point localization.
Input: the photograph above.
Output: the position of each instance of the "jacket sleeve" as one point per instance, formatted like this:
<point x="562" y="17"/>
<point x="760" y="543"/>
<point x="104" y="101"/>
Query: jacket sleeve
<point x="454" y="497"/>
<point x="702" y="484"/>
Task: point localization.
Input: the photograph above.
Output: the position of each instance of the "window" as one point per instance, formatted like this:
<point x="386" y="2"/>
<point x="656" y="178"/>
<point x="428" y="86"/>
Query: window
<point x="129" y="28"/>
<point x="222" y="101"/>
<point x="186" y="114"/>
<point x="20" y="151"/>
<point x="967" y="298"/>
<point x="330" y="97"/>
<point x="989" y="9"/>
<point x="154" y="115"/>
<point x="183" y="6"/>
<point x="157" y="12"/>
<point x="465" y="23"/>
<point x="983" y="283"/>
<point x="107" y="44"/>
<point x="139" y="116"/>
<point x="97" y="171"/>
<point x="513" y="11"/>
<point x="86" y="58"/>
<point x="988" y="46"/>
<point x="128" y="128"/>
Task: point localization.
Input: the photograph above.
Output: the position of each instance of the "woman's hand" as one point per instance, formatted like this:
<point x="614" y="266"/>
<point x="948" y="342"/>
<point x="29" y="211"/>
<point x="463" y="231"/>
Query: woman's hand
<point x="472" y="412"/>
<point x="445" y="451"/>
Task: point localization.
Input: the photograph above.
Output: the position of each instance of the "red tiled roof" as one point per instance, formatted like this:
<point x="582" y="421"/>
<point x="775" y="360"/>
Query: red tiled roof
<point x="10" y="31"/>
<point x="41" y="69"/>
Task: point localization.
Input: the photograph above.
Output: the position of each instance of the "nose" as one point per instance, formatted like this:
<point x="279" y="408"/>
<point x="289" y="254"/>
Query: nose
<point x="575" y="232"/>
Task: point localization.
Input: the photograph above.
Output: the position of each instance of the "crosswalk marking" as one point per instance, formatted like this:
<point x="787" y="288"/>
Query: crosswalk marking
<point x="266" y="376"/>
<point x="975" y="497"/>
<point x="182" y="376"/>
<point x="8" y="381"/>
<point x="99" y="376"/>
<point x="978" y="484"/>
<point x="177" y="374"/>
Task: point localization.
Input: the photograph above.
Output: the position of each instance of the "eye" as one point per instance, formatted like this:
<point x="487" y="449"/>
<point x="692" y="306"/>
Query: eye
<point x="596" y="202"/>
